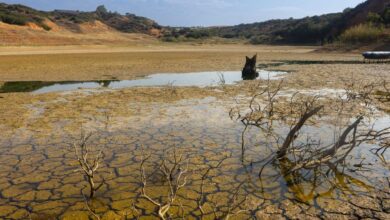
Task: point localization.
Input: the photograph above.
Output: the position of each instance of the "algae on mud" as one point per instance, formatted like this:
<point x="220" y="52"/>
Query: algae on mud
<point x="38" y="175"/>
<point x="38" y="163"/>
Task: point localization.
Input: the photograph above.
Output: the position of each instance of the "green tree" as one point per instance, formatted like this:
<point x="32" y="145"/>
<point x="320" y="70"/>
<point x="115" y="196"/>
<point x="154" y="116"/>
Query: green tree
<point x="374" y="18"/>
<point x="101" y="10"/>
<point x="386" y="15"/>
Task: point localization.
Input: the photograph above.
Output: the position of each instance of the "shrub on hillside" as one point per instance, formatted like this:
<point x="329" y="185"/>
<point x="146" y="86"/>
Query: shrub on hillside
<point x="45" y="26"/>
<point x="13" y="19"/>
<point x="374" y="18"/>
<point x="363" y="33"/>
<point x="386" y="16"/>
<point x="197" y="34"/>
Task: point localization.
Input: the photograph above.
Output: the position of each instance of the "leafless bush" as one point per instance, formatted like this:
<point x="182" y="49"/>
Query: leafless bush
<point x="89" y="160"/>
<point x="360" y="91"/>
<point x="221" y="81"/>
<point x="201" y="200"/>
<point x="384" y="92"/>
<point x="175" y="174"/>
<point x="262" y="111"/>
<point x="383" y="137"/>
<point x="234" y="205"/>
<point x="293" y="153"/>
<point x="170" y="89"/>
<point x="90" y="210"/>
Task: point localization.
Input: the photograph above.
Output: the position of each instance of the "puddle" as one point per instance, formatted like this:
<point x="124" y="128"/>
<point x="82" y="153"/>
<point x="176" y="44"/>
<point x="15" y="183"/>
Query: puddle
<point x="46" y="181"/>
<point x="200" y="79"/>
<point x="38" y="165"/>
<point x="309" y="62"/>
<point x="324" y="92"/>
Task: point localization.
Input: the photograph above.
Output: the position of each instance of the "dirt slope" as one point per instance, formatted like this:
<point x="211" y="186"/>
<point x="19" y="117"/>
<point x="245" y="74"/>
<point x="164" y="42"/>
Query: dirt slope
<point x="89" y="33"/>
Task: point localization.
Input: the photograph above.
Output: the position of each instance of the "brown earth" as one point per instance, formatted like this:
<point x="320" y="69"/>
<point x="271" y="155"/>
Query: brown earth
<point x="37" y="131"/>
<point x="127" y="62"/>
<point x="91" y="33"/>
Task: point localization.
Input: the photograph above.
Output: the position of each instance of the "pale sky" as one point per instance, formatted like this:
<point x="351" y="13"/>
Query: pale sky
<point x="202" y="12"/>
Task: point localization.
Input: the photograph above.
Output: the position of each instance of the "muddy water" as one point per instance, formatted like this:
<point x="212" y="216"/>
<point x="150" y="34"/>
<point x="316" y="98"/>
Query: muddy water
<point x="40" y="178"/>
<point x="199" y="79"/>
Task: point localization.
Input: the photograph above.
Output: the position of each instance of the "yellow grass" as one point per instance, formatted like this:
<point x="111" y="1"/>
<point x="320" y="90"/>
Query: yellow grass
<point x="108" y="62"/>
<point x="364" y="33"/>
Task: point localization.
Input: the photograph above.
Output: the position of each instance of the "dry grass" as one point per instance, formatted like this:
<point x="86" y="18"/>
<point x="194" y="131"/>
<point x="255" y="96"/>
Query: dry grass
<point x="114" y="62"/>
<point x="364" y="33"/>
<point x="94" y="33"/>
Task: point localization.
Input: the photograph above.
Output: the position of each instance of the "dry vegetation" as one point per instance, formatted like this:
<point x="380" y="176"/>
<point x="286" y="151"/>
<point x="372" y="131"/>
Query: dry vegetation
<point x="364" y="33"/>
<point x="94" y="33"/>
<point x="105" y="62"/>
<point x="193" y="163"/>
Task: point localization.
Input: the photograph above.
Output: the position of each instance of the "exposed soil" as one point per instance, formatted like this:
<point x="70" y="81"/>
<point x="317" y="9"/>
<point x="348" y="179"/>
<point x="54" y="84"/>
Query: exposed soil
<point x="39" y="176"/>
<point x="113" y="62"/>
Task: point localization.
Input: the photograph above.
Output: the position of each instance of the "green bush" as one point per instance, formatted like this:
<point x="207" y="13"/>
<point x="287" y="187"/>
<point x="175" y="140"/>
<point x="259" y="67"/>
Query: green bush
<point x="196" y="34"/>
<point x="261" y="39"/>
<point x="169" y="39"/>
<point x="13" y="19"/>
<point x="374" y="18"/>
<point x="363" y="33"/>
<point x="44" y="26"/>
<point x="386" y="16"/>
<point x="229" y="36"/>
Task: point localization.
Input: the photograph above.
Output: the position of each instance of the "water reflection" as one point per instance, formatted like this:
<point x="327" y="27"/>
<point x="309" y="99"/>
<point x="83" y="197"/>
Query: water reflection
<point x="199" y="79"/>
<point x="31" y="86"/>
<point x="308" y="185"/>
<point x="38" y="170"/>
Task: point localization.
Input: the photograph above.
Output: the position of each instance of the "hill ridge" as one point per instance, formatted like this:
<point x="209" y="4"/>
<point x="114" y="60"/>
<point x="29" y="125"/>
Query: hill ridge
<point x="312" y="30"/>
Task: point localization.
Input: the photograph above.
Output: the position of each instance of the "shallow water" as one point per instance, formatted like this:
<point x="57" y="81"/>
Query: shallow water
<point x="39" y="171"/>
<point x="311" y="62"/>
<point x="199" y="79"/>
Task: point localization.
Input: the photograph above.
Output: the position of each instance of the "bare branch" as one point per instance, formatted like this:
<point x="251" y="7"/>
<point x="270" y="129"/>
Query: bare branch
<point x="175" y="174"/>
<point x="293" y="132"/>
<point x="88" y="166"/>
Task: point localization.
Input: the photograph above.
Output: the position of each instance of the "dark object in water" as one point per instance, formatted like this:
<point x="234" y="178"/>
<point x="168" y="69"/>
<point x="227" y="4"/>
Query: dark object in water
<point x="376" y="55"/>
<point x="249" y="72"/>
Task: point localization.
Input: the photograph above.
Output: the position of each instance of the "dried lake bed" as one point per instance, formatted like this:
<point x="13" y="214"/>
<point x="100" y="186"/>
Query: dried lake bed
<point x="40" y="177"/>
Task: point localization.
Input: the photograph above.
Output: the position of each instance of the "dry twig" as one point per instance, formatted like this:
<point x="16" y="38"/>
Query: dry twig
<point x="88" y="165"/>
<point x="175" y="175"/>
